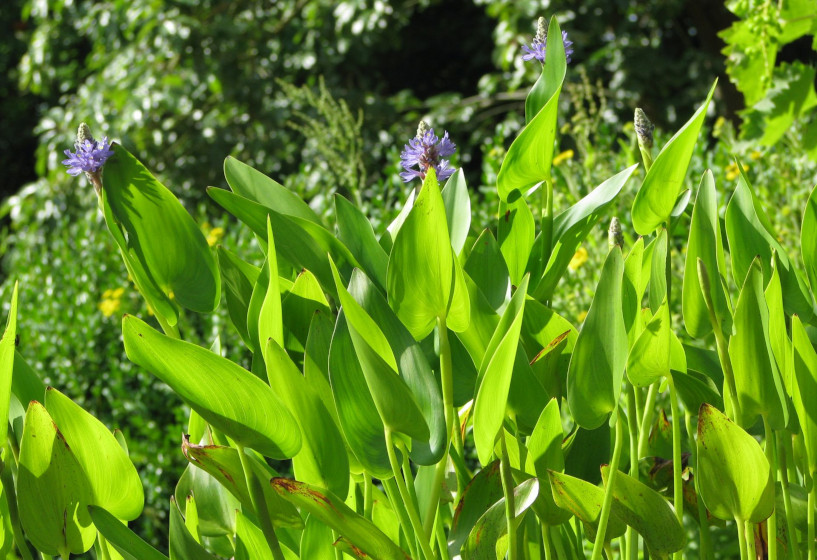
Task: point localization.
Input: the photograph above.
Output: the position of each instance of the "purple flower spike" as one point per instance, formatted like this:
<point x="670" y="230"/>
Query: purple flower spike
<point x="424" y="151"/>
<point x="539" y="44"/>
<point x="90" y="156"/>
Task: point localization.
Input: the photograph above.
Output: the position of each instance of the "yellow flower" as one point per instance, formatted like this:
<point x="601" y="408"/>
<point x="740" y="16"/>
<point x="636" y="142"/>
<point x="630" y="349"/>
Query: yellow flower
<point x="117" y="293"/>
<point x="109" y="306"/>
<point x="214" y="236"/>
<point x="755" y="155"/>
<point x="579" y="258"/>
<point x="733" y="171"/>
<point x="564" y="156"/>
<point x="582" y="316"/>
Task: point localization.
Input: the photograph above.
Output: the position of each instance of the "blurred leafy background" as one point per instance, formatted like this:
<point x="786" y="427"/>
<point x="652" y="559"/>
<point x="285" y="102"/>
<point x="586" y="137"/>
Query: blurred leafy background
<point x="322" y="96"/>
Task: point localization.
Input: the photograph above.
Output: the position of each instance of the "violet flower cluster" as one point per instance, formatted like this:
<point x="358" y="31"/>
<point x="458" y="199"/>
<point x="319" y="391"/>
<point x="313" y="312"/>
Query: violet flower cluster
<point x="424" y="151"/>
<point x="539" y="44"/>
<point x="90" y="156"/>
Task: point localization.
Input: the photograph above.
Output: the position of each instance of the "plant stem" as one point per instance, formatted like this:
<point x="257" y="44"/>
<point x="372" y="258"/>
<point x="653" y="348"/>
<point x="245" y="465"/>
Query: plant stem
<point x="103" y="547"/>
<point x="750" y="540"/>
<point x="632" y="426"/>
<point x="367" y="496"/>
<point x="608" y="491"/>
<point x="411" y="506"/>
<point x="546" y="541"/>
<point x="260" y="505"/>
<point x="14" y="515"/>
<point x="705" y="546"/>
<point x="771" y="523"/>
<point x="646" y="422"/>
<point x="447" y="380"/>
<point x="794" y="549"/>
<point x="744" y="555"/>
<point x="390" y="486"/>
<point x="677" y="466"/>
<point x="507" y="490"/>
<point x="546" y="225"/>
<point x="170" y="330"/>
<point x="812" y="506"/>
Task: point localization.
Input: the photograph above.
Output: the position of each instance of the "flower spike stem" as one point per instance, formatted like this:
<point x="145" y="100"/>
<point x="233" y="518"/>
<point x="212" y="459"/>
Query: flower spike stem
<point x="677" y="465"/>
<point x="794" y="549"/>
<point x="744" y="553"/>
<point x="771" y="456"/>
<point x="260" y="505"/>
<point x="632" y="426"/>
<point x="607" y="505"/>
<point x="507" y="489"/>
<point x="546" y="221"/>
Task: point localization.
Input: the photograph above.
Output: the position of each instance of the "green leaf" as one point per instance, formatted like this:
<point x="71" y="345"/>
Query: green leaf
<point x="571" y="227"/>
<point x="808" y="239"/>
<point x="212" y="512"/>
<point x="488" y="270"/>
<point x="355" y="231"/>
<point x="316" y="540"/>
<point x="487" y="534"/>
<point x="805" y="389"/>
<point x="251" y="544"/>
<point x="750" y="235"/>
<point x="52" y="489"/>
<point x="182" y="544"/>
<point x="646" y="511"/>
<point x="216" y="388"/>
<point x="585" y="452"/>
<point x="545" y="452"/>
<point x="270" y="320"/>
<point x="322" y="459"/>
<point x="161" y="237"/>
<point x="656" y="198"/>
<point x="457" y="209"/>
<point x="7" y="350"/>
<point x="254" y="185"/>
<point x="298" y="307"/>
<point x="392" y="397"/>
<point x="114" y="482"/>
<point x="658" y="271"/>
<point x="553" y="72"/>
<point x="238" y="278"/>
<point x="649" y="358"/>
<point x="423" y="273"/>
<point x="515" y="234"/>
<point x="332" y="511"/>
<point x="735" y="479"/>
<point x="412" y="366"/>
<point x="478" y="496"/>
<point x="300" y="242"/>
<point x="695" y="388"/>
<point x="632" y="291"/>
<point x="584" y="500"/>
<point x="125" y="541"/>
<point x="357" y="413"/>
<point x="224" y="465"/>
<point x="759" y="387"/>
<point x="495" y="375"/>
<point x="778" y="331"/>
<point x="597" y="365"/>
<point x="530" y="156"/>
<point x="705" y="243"/>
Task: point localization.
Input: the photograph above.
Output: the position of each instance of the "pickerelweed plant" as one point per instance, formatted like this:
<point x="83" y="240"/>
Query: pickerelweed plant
<point x="431" y="401"/>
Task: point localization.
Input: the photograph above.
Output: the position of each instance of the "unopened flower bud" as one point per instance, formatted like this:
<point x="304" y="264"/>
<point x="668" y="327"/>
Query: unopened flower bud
<point x="644" y="128"/>
<point x="422" y="128"/>
<point x="614" y="235"/>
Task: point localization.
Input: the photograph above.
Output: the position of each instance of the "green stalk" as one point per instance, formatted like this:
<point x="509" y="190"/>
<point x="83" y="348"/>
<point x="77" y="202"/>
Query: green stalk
<point x="447" y="380"/>
<point x="390" y="486"/>
<point x="632" y="426"/>
<point x="103" y="547"/>
<point x="546" y="224"/>
<point x="546" y="541"/>
<point x="411" y="506"/>
<point x="646" y="422"/>
<point x="260" y="505"/>
<point x="771" y="523"/>
<point x="750" y="540"/>
<point x="7" y="478"/>
<point x="744" y="554"/>
<point x="170" y="330"/>
<point x="441" y="541"/>
<point x="677" y="467"/>
<point x="367" y="496"/>
<point x="705" y="545"/>
<point x="507" y="490"/>
<point x="608" y="491"/>
<point x="812" y="506"/>
<point x="794" y="549"/>
<point x="720" y="340"/>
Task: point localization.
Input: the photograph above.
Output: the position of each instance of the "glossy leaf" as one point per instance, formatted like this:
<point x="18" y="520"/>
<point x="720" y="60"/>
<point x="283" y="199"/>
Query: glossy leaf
<point x="114" y="482"/>
<point x="530" y="156"/>
<point x="7" y="350"/>
<point x="322" y="459"/>
<point x="162" y="238"/>
<point x="805" y="388"/>
<point x="515" y="234"/>
<point x="600" y="356"/>
<point x="333" y="512"/>
<point x="125" y="541"/>
<point x="270" y="319"/>
<point x="760" y="389"/>
<point x="52" y="490"/>
<point x="778" y="331"/>
<point x="553" y="72"/>
<point x="656" y="198"/>
<point x="423" y="273"/>
<point x="545" y="452"/>
<point x="182" y="544"/>
<point x="632" y="291"/>
<point x="658" y="271"/>
<point x="808" y="239"/>
<point x="478" y="496"/>
<point x="646" y="511"/>
<point x="209" y="507"/>
<point x="217" y="389"/>
<point x="649" y="359"/>
<point x="486" y="267"/>
<point x="705" y="243"/>
<point x="298" y="307"/>
<point x="238" y="279"/>
<point x="495" y="375"/>
<point x="735" y="479"/>
<point x="355" y="231"/>
<point x="483" y="541"/>
<point x="457" y="209"/>
<point x="584" y="500"/>
<point x="316" y="540"/>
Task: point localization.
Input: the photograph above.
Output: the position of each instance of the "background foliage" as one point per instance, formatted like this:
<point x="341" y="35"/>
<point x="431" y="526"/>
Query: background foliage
<point x="182" y="84"/>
